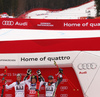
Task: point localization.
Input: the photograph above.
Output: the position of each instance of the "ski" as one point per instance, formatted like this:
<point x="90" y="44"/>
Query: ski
<point x="37" y="89"/>
<point x="3" y="81"/>
<point x="57" y="81"/>
<point x="55" y="89"/>
<point x="70" y="83"/>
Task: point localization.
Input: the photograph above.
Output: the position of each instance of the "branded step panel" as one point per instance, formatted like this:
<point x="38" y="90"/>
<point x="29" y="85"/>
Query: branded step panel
<point x="80" y="67"/>
<point x="87" y="68"/>
<point x="19" y="63"/>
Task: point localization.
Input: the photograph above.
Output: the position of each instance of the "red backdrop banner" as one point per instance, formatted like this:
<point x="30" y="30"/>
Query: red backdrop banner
<point x="50" y="24"/>
<point x="65" y="89"/>
<point x="52" y="45"/>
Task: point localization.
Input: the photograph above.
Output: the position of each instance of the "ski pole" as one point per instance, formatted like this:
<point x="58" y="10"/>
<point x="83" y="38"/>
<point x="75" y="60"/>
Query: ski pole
<point x="70" y="83"/>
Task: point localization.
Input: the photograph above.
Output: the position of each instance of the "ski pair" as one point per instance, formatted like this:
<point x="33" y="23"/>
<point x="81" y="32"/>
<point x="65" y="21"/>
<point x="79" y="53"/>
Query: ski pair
<point x="3" y="81"/>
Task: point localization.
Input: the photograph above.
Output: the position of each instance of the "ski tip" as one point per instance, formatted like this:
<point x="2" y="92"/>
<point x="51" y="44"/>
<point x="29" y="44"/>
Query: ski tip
<point x="55" y="63"/>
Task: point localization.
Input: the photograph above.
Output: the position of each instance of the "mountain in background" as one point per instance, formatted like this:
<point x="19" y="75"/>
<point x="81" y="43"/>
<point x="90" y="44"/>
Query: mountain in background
<point x="18" y="7"/>
<point x="98" y="7"/>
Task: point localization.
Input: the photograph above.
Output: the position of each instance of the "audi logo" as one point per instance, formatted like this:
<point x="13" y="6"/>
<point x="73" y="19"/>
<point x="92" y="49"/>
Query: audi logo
<point x="63" y="95"/>
<point x="63" y="87"/>
<point x="64" y="80"/>
<point x="85" y="66"/>
<point x="8" y="23"/>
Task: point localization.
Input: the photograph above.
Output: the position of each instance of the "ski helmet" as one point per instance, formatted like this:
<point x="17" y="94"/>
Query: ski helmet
<point x="18" y="74"/>
<point x="50" y="77"/>
<point x="34" y="77"/>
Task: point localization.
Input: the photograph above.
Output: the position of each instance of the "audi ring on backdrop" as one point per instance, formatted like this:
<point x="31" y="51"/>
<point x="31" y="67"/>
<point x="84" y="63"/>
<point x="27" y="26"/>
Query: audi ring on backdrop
<point x="84" y="66"/>
<point x="8" y="23"/>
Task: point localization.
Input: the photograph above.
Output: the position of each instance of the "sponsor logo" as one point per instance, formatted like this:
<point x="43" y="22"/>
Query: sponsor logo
<point x="62" y="88"/>
<point x="87" y="66"/>
<point x="46" y="24"/>
<point x="0" y="87"/>
<point x="8" y="23"/>
<point x="21" y="24"/>
<point x="63" y="95"/>
<point x="1" y="74"/>
<point x="65" y="80"/>
<point x="83" y="72"/>
<point x="42" y="88"/>
<point x="8" y="60"/>
<point x="8" y="95"/>
<point x="9" y="80"/>
<point x="41" y="95"/>
<point x="32" y="92"/>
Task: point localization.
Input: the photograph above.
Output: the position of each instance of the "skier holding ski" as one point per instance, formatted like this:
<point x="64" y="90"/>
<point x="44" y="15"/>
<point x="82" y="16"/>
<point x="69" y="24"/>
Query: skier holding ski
<point x="19" y="85"/>
<point x="35" y="84"/>
<point x="50" y="86"/>
<point x="4" y="81"/>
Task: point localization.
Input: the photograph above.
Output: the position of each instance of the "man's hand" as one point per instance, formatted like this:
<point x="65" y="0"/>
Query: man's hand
<point x="29" y="71"/>
<point x="38" y="72"/>
<point x="60" y="70"/>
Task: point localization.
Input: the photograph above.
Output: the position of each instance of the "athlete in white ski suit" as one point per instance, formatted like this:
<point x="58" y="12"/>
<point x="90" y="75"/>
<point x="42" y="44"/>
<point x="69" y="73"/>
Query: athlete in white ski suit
<point x="19" y="86"/>
<point x="34" y="86"/>
<point x="50" y="86"/>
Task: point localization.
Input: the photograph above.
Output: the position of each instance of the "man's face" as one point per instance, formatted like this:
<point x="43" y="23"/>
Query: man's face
<point x="51" y="80"/>
<point x="33" y="81"/>
<point x="18" y="78"/>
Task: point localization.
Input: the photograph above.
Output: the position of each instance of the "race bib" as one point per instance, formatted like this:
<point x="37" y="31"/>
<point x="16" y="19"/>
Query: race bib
<point x="32" y="93"/>
<point x="49" y="94"/>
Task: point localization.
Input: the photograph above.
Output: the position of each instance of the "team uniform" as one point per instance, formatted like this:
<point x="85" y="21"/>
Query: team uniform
<point x="50" y="88"/>
<point x="19" y="88"/>
<point x="34" y="88"/>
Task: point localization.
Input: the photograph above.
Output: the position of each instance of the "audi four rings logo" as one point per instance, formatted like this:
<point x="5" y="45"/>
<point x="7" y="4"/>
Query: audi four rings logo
<point x="8" y="23"/>
<point x="85" y="66"/>
<point x="63" y="95"/>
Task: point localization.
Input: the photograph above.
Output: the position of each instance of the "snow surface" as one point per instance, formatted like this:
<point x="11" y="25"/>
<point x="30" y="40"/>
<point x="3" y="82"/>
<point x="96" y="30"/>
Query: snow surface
<point x="84" y="10"/>
<point x="23" y="34"/>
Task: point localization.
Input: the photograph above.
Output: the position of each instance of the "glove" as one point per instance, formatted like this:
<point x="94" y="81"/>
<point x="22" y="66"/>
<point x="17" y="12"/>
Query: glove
<point x="29" y="71"/>
<point x="60" y="70"/>
<point x="5" y="82"/>
<point x="38" y="72"/>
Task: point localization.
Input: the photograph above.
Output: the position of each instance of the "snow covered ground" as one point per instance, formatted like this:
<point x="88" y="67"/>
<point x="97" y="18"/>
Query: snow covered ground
<point x="23" y="34"/>
<point x="84" y="10"/>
